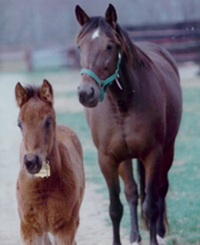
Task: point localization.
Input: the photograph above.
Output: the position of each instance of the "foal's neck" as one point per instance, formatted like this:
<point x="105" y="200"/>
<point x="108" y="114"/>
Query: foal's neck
<point x="54" y="157"/>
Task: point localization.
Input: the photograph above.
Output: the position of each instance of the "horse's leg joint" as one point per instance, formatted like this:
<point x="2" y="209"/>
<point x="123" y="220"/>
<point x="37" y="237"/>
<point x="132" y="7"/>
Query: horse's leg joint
<point x="116" y="212"/>
<point x="132" y="196"/>
<point x="150" y="210"/>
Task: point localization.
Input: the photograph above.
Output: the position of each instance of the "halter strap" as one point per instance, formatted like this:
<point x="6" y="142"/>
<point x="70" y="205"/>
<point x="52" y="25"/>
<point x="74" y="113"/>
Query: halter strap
<point x="103" y="84"/>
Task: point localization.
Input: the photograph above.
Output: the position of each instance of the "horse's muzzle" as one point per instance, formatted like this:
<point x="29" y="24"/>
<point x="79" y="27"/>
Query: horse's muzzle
<point x="88" y="96"/>
<point x="32" y="163"/>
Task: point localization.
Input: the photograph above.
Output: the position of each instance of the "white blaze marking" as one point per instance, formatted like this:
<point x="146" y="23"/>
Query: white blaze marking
<point x="95" y="34"/>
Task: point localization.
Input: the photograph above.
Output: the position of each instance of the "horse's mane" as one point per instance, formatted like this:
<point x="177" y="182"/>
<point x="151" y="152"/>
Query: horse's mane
<point x="133" y="55"/>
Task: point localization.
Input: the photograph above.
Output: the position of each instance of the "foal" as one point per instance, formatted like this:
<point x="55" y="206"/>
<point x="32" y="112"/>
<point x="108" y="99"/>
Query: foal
<point x="51" y="180"/>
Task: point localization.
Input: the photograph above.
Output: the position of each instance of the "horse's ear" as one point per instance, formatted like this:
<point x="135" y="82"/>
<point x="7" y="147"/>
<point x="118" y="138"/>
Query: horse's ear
<point x="21" y="95"/>
<point x="46" y="92"/>
<point x="111" y="15"/>
<point x="81" y="16"/>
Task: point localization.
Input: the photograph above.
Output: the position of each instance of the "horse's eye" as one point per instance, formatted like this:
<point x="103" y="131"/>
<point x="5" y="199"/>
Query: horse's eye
<point x="109" y="47"/>
<point x="47" y="123"/>
<point x="79" y="47"/>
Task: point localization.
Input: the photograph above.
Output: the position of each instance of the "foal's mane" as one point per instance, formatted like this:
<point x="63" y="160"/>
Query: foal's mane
<point x="32" y="91"/>
<point x="132" y="54"/>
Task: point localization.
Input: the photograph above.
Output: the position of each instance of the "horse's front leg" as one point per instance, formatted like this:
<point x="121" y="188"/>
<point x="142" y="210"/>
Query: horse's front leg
<point x="150" y="207"/>
<point x="65" y="233"/>
<point x="109" y="169"/>
<point x="131" y="192"/>
<point x="30" y="237"/>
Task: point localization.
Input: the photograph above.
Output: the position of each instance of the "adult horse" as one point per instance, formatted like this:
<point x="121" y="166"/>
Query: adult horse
<point x="50" y="185"/>
<point x="138" y="117"/>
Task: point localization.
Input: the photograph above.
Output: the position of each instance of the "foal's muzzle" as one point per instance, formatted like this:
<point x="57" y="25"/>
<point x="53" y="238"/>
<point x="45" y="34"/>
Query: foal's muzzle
<point x="32" y="163"/>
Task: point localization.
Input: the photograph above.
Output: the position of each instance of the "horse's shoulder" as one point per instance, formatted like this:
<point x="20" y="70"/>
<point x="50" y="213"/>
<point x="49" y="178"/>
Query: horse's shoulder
<point x="158" y="54"/>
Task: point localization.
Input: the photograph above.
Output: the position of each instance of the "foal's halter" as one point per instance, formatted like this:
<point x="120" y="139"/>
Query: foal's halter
<point x="103" y="84"/>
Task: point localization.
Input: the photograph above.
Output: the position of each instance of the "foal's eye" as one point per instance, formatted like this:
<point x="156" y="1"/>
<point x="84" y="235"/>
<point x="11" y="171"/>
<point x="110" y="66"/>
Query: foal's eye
<point x="47" y="123"/>
<point x="109" y="47"/>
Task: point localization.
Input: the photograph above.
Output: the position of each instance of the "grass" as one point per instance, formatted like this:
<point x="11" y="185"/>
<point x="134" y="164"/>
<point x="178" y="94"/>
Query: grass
<point x="184" y="196"/>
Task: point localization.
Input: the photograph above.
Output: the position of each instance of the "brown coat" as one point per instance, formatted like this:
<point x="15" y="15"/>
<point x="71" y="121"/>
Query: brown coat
<point x="49" y="205"/>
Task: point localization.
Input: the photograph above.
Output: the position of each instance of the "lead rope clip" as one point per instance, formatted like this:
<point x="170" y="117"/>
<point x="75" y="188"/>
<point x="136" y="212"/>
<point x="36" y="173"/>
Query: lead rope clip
<point x="118" y="83"/>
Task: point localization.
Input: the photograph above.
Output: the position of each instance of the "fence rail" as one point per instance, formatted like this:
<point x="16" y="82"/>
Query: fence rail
<point x="181" y="39"/>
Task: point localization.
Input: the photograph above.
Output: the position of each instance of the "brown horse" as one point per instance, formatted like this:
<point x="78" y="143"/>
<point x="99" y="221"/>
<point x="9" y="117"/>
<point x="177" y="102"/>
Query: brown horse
<point x="50" y="185"/>
<point x="138" y="117"/>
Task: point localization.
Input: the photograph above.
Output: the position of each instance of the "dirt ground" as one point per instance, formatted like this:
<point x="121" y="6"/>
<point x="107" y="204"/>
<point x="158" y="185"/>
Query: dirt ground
<point x="94" y="229"/>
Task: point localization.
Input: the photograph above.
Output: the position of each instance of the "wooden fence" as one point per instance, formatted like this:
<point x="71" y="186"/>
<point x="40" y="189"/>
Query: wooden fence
<point x="181" y="39"/>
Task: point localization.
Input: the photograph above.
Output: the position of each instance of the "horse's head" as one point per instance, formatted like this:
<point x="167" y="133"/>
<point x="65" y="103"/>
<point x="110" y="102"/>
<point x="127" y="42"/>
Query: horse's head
<point x="99" y="54"/>
<point x="37" y="123"/>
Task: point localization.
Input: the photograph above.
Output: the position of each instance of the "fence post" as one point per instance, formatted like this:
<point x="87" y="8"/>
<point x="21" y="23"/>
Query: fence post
<point x="28" y="60"/>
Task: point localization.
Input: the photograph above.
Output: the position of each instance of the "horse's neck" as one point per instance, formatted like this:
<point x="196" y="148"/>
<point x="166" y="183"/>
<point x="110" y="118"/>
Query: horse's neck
<point x="126" y="82"/>
<point x="127" y="76"/>
<point x="134" y="88"/>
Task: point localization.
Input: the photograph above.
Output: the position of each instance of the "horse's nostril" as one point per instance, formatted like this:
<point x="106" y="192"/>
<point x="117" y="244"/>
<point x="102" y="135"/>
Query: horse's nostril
<point x="86" y="95"/>
<point x="92" y="91"/>
<point x="32" y="163"/>
<point x="82" y="96"/>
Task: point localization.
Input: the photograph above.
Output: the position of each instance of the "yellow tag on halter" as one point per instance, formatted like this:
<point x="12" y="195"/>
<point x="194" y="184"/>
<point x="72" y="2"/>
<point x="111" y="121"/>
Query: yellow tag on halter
<point x="44" y="171"/>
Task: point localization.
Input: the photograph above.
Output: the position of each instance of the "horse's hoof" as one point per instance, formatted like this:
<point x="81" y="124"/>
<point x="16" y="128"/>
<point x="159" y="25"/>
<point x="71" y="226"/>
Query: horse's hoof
<point x="136" y="243"/>
<point x="160" y="240"/>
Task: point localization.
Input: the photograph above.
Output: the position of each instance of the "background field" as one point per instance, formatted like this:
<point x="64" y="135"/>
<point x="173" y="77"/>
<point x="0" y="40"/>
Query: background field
<point x="183" y="199"/>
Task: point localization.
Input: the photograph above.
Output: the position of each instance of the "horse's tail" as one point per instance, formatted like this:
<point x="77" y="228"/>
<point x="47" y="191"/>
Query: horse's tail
<point x="141" y="180"/>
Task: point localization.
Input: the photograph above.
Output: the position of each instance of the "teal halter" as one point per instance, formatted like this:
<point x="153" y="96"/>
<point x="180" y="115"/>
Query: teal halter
<point x="103" y="84"/>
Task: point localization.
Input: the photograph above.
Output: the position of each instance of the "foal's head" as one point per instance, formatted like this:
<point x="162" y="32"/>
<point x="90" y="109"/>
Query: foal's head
<point x="99" y="49"/>
<point x="37" y="123"/>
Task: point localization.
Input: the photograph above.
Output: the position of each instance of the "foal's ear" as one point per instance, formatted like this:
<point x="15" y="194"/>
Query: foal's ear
<point x="21" y="95"/>
<point x="111" y="15"/>
<point x="81" y="16"/>
<point x="46" y="92"/>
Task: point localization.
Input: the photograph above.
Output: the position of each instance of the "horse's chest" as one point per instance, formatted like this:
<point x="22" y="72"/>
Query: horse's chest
<point x="124" y="137"/>
<point x="40" y="207"/>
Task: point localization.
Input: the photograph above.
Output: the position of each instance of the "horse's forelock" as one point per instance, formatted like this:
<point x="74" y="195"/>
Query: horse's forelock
<point x="97" y="22"/>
